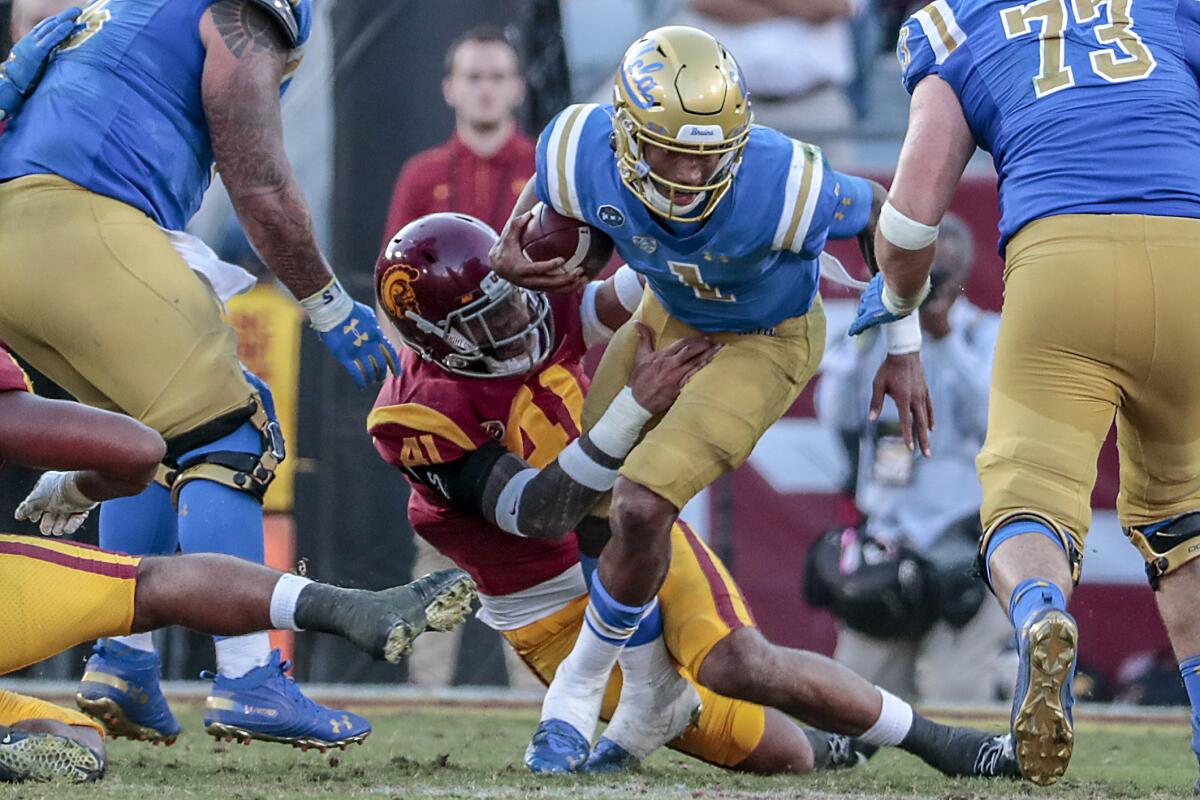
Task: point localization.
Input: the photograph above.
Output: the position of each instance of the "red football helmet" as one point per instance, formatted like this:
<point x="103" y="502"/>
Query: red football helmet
<point x="435" y="283"/>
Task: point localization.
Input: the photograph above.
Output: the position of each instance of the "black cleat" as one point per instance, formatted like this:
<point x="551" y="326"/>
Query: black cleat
<point x="26" y="756"/>
<point x="385" y="624"/>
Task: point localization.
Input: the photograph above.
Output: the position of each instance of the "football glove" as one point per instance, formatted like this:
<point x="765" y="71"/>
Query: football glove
<point x="359" y="344"/>
<point x="29" y="57"/>
<point x="56" y="504"/>
<point x="871" y="311"/>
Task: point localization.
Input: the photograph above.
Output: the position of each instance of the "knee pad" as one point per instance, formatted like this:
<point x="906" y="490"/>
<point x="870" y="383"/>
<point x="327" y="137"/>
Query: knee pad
<point x="1074" y="556"/>
<point x="250" y="472"/>
<point x="1167" y="545"/>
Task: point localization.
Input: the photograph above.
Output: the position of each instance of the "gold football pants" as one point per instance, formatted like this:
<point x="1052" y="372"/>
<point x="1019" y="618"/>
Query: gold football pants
<point x="96" y="298"/>
<point x="1099" y="322"/>
<point x="723" y="410"/>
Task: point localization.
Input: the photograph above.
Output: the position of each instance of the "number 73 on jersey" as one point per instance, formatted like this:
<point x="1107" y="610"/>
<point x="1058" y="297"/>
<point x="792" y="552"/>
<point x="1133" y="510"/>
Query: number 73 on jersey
<point x="1130" y="61"/>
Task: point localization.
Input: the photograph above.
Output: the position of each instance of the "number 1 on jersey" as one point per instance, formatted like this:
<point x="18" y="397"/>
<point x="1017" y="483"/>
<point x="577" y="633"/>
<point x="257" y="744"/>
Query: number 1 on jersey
<point x="1136" y="63"/>
<point x="689" y="275"/>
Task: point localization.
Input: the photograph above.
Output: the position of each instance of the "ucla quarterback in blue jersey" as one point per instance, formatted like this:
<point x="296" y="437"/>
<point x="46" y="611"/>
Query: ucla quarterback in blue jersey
<point x="727" y="222"/>
<point x="1091" y="113"/>
<point x="100" y="171"/>
<point x="725" y="270"/>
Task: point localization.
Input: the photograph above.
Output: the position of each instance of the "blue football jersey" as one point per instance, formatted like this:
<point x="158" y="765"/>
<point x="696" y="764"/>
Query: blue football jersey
<point x="1087" y="106"/>
<point x="752" y="263"/>
<point x="119" y="111"/>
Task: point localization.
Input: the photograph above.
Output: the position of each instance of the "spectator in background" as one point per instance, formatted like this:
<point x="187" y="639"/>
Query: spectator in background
<point x="796" y="55"/>
<point x="482" y="168"/>
<point x="925" y="507"/>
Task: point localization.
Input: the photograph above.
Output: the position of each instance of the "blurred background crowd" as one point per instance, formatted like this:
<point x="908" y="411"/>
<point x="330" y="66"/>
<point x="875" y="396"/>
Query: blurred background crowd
<point x="843" y="541"/>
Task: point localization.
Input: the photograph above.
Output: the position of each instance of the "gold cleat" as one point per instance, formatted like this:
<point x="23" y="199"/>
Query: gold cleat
<point x="1042" y="728"/>
<point x="443" y="602"/>
<point x="108" y="712"/>
<point x="232" y="733"/>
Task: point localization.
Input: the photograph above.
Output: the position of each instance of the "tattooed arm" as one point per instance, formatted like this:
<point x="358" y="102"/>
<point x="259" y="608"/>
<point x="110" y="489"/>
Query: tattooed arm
<point x="243" y="66"/>
<point x="548" y="503"/>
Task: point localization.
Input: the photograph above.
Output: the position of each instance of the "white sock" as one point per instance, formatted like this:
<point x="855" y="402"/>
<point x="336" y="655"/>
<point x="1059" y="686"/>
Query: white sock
<point x="577" y="690"/>
<point x="895" y="720"/>
<point x="283" y="601"/>
<point x="138" y="641"/>
<point x="237" y="655"/>
<point x="648" y="663"/>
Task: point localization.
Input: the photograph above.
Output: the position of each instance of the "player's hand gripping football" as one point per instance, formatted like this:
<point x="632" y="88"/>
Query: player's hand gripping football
<point x="56" y="504"/>
<point x="903" y="379"/>
<point x="659" y="376"/>
<point x="509" y="262"/>
<point x="28" y="59"/>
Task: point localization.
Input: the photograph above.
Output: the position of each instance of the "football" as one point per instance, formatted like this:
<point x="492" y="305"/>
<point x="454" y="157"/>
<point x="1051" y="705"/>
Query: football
<point x="551" y="235"/>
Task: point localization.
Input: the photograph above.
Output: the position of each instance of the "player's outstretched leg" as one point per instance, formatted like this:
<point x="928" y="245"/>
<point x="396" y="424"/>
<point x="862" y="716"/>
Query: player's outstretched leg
<point x="1029" y="570"/>
<point x="819" y="691"/>
<point x="178" y="590"/>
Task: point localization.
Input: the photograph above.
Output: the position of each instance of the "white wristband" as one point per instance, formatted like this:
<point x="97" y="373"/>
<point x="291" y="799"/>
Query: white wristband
<point x="905" y="232"/>
<point x="904" y="305"/>
<point x="628" y="286"/>
<point x="618" y="430"/>
<point x="903" y="335"/>
<point x="594" y="330"/>
<point x="329" y="306"/>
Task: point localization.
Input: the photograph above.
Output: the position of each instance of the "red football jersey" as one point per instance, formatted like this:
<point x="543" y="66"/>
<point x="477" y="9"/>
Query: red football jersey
<point x="430" y="416"/>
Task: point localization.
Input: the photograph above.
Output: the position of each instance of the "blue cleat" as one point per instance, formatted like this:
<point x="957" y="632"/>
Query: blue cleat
<point x="267" y="705"/>
<point x="1042" y="727"/>
<point x="26" y="756"/>
<point x="609" y="757"/>
<point x="556" y="747"/>
<point x="120" y="690"/>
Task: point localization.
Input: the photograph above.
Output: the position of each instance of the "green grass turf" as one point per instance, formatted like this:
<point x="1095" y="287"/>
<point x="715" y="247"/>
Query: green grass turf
<point x="457" y="752"/>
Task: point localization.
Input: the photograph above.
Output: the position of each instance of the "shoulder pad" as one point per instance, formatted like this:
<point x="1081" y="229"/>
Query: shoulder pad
<point x="926" y="40"/>
<point x="294" y="16"/>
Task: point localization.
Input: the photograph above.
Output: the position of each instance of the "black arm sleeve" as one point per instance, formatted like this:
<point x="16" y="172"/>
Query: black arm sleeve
<point x="464" y="481"/>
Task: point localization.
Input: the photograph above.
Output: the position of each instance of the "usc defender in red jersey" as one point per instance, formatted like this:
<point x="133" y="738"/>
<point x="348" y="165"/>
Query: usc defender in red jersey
<point x="484" y="421"/>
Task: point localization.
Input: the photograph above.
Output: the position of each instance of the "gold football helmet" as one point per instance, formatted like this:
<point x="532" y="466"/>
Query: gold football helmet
<point x="679" y="89"/>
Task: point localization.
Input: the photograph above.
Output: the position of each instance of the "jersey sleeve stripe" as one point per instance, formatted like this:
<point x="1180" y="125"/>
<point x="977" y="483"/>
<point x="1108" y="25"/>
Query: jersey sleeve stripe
<point x="806" y="197"/>
<point x="941" y="29"/>
<point x="420" y="418"/>
<point x="561" y="154"/>
<point x="798" y="173"/>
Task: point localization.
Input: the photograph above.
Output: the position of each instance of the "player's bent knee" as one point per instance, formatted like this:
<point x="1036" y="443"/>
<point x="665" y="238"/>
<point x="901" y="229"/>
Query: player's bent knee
<point x="1023" y="522"/>
<point x="636" y="508"/>
<point x="1167" y="545"/>
<point x="244" y="457"/>
<point x="731" y="666"/>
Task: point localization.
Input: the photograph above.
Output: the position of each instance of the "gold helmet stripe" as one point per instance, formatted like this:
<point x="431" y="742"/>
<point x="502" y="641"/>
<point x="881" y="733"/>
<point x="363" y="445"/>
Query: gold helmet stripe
<point x="563" y="148"/>
<point x="803" y="190"/>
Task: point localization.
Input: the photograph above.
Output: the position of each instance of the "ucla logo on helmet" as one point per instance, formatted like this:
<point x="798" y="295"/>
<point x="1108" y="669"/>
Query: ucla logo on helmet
<point x="610" y="216"/>
<point x="638" y="76"/>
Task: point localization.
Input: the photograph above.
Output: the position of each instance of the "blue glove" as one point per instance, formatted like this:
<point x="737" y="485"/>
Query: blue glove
<point x="29" y="57"/>
<point x="358" y="343"/>
<point x="871" y="311"/>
